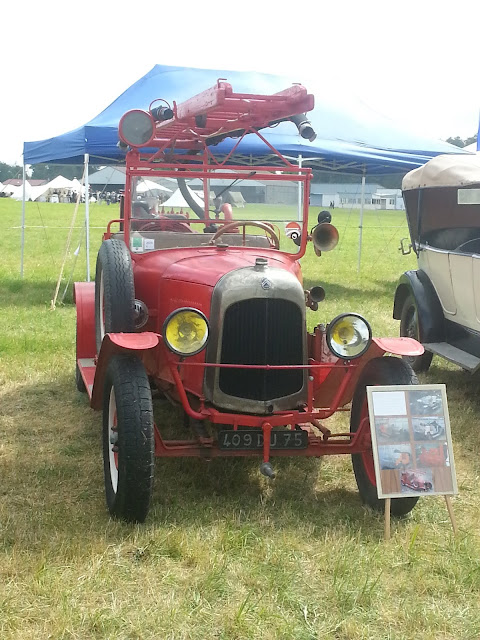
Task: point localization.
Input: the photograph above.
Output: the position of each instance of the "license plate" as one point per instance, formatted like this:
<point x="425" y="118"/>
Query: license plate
<point x="253" y="439"/>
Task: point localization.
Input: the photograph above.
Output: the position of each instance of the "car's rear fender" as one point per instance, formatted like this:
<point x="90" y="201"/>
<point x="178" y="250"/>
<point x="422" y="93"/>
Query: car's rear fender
<point x="430" y="313"/>
<point x="84" y="297"/>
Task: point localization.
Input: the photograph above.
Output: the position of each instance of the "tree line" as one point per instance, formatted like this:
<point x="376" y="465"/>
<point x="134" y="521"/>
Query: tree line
<point x="45" y="171"/>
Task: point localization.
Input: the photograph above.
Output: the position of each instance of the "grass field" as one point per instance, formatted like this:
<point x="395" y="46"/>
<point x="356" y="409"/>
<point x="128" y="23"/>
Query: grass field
<point x="224" y="553"/>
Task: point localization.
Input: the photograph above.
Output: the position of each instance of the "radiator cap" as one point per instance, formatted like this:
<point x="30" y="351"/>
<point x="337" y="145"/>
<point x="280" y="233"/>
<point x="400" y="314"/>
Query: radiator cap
<point x="260" y="264"/>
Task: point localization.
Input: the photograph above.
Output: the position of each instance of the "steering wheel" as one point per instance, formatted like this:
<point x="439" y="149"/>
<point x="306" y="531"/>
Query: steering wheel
<point x="245" y="223"/>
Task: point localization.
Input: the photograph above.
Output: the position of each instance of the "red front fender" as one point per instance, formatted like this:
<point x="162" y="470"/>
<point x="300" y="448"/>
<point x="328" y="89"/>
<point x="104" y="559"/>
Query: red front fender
<point x="399" y="346"/>
<point x="134" y="343"/>
<point x="328" y="380"/>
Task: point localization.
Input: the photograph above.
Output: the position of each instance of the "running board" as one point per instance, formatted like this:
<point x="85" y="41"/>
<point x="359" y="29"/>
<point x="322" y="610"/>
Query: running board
<point x="457" y="356"/>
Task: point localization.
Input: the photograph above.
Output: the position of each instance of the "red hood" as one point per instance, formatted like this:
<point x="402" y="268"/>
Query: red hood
<point x="208" y="267"/>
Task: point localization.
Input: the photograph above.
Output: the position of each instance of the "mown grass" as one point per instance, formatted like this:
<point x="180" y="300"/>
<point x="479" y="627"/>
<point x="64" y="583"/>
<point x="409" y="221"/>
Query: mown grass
<point x="224" y="553"/>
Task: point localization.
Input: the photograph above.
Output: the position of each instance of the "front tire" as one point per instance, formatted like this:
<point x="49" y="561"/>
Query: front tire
<point x="114" y="291"/>
<point x="410" y="328"/>
<point x="128" y="439"/>
<point x="379" y="371"/>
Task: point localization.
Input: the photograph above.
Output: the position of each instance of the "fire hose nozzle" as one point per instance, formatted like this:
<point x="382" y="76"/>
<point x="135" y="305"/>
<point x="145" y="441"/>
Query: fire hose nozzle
<point x="304" y="127"/>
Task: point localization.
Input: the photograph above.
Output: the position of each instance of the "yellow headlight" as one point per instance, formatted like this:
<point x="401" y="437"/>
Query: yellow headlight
<point x="185" y="332"/>
<point x="349" y="336"/>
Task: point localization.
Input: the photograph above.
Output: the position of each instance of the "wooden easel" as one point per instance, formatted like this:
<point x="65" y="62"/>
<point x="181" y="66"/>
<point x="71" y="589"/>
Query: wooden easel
<point x="388" y="504"/>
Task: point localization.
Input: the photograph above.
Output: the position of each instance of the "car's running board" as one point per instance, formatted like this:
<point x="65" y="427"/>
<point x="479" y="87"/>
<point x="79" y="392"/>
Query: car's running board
<point x="457" y="356"/>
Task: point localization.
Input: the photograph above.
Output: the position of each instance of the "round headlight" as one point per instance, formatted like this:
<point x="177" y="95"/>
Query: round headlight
<point x="349" y="336"/>
<point x="185" y="331"/>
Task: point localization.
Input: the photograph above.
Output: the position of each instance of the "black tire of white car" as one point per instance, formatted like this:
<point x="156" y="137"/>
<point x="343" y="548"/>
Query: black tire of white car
<point x="379" y="371"/>
<point x="409" y="329"/>
<point x="128" y="439"/>
<point x="114" y="291"/>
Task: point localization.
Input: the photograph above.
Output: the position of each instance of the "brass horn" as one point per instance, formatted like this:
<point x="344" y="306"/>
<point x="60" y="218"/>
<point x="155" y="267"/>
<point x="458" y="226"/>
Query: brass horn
<point x="324" y="237"/>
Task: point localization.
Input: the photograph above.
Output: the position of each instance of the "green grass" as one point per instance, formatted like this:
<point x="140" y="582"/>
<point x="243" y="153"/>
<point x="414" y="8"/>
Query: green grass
<point x="224" y="553"/>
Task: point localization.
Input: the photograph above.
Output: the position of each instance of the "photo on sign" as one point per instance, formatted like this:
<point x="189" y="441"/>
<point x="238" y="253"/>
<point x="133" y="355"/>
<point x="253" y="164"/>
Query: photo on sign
<point x="412" y="445"/>
<point x="431" y="428"/>
<point x="395" y="456"/>
<point x="426" y="403"/>
<point x="432" y="455"/>
<point x="392" y="429"/>
<point x="420" y="480"/>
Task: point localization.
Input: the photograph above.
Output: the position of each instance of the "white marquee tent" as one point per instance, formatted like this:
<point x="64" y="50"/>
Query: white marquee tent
<point x="177" y="200"/>
<point x="148" y="185"/>
<point x="17" y="192"/>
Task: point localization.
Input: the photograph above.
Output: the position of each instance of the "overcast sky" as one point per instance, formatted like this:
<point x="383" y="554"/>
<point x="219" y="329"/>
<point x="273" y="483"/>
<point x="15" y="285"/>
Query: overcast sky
<point x="413" y="61"/>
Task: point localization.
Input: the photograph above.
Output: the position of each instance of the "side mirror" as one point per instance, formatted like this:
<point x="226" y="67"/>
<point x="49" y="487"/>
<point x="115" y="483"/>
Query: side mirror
<point x="405" y="249"/>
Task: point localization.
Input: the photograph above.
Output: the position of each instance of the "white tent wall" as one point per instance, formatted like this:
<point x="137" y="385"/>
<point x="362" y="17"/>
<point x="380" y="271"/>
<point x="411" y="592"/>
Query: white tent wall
<point x="17" y="192"/>
<point x="59" y="183"/>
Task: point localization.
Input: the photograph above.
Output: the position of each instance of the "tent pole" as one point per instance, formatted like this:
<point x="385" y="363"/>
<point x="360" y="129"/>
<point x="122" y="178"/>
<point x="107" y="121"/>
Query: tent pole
<point x="362" y="202"/>
<point x="23" y="222"/>
<point x="87" y="217"/>
<point x="300" y="189"/>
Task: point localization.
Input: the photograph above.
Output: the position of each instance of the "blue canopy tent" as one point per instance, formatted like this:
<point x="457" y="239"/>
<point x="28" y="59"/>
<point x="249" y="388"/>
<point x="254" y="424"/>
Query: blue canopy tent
<point x="350" y="138"/>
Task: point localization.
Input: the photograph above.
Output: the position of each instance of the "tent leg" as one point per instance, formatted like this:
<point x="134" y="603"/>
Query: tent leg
<point x="22" y="250"/>
<point x="362" y="202"/>
<point x="87" y="217"/>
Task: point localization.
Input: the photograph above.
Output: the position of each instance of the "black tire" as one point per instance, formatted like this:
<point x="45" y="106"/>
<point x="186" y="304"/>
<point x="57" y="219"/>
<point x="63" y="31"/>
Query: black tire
<point x="114" y="291"/>
<point x="409" y="328"/>
<point x="128" y="439"/>
<point x="379" y="371"/>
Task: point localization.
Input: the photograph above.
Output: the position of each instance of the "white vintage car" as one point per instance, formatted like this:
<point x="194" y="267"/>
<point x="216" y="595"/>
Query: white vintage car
<point x="439" y="303"/>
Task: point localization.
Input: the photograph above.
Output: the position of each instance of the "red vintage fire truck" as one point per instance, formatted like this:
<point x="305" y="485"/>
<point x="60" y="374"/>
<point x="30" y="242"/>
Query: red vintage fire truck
<point x="208" y="308"/>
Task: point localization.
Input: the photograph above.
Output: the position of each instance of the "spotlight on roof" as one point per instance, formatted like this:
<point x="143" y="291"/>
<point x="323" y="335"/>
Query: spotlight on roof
<point x="136" y="128"/>
<point x="161" y="113"/>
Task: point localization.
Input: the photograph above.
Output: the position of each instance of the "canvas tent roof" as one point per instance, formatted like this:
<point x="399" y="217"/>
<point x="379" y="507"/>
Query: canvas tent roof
<point x="148" y="185"/>
<point x="177" y="200"/>
<point x="349" y="138"/>
<point x="107" y="175"/>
